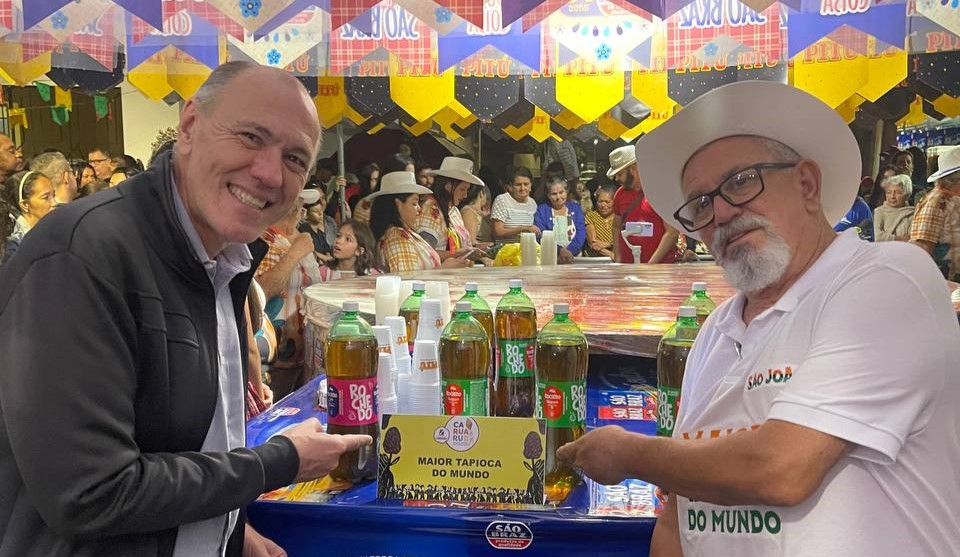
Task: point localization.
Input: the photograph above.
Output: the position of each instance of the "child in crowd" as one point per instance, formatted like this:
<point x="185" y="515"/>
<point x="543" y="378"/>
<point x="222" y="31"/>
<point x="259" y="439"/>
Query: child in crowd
<point x="354" y="253"/>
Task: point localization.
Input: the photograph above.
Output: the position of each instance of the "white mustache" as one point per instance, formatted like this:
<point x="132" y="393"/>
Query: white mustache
<point x="737" y="226"/>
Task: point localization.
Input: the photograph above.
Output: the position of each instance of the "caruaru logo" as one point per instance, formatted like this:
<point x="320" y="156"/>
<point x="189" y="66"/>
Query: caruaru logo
<point x="506" y="534"/>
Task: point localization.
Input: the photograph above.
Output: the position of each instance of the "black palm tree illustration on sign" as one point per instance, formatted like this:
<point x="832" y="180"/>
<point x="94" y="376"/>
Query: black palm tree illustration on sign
<point x="391" y="447"/>
<point x="532" y="449"/>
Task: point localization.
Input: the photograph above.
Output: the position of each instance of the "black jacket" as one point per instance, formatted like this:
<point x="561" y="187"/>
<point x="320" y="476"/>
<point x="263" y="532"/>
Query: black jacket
<point x="108" y="381"/>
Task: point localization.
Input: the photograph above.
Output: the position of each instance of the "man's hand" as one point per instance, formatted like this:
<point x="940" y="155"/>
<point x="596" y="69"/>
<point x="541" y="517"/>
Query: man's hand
<point x="301" y="245"/>
<point x="340" y="182"/>
<point x="255" y="545"/>
<point x="532" y="228"/>
<point x="596" y="453"/>
<point x="565" y="256"/>
<point x="266" y="395"/>
<point x="455" y="262"/>
<point x="320" y="452"/>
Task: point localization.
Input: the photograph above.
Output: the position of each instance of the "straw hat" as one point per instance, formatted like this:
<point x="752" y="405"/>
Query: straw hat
<point x="949" y="163"/>
<point x="761" y="108"/>
<point x="309" y="196"/>
<point x="394" y="183"/>
<point x="620" y="158"/>
<point x="457" y="168"/>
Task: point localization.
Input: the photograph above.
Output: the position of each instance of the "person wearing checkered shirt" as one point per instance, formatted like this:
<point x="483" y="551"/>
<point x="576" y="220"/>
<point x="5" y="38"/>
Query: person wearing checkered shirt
<point x="936" y="224"/>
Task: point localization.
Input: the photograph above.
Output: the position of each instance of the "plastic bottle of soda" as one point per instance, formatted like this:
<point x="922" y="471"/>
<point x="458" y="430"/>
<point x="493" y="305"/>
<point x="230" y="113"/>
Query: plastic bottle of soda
<point x="671" y="362"/>
<point x="410" y="310"/>
<point x="515" y="325"/>
<point x="464" y="360"/>
<point x="699" y="299"/>
<point x="481" y="312"/>
<point x="351" y="358"/>
<point x="562" y="359"/>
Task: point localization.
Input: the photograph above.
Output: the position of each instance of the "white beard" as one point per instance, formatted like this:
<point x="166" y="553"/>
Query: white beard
<point x="747" y="268"/>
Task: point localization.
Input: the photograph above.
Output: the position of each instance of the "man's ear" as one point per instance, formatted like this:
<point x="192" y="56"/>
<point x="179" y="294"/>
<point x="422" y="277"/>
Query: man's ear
<point x="188" y="118"/>
<point x="810" y="184"/>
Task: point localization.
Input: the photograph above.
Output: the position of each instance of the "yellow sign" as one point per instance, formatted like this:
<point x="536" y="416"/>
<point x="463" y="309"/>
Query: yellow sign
<point x="462" y="458"/>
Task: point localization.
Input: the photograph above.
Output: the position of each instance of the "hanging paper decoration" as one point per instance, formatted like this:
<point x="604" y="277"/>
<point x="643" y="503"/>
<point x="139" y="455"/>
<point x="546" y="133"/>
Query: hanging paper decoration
<point x="598" y="32"/>
<point x="944" y="13"/>
<point x="541" y="12"/>
<point x="727" y="34"/>
<point x="522" y="111"/>
<point x="642" y="8"/>
<point x="512" y="10"/>
<point x="589" y="96"/>
<point x="476" y="12"/>
<point x="285" y="43"/>
<point x="289" y="12"/>
<point x="95" y="45"/>
<point x="35" y="11"/>
<point x="73" y="17"/>
<point x="18" y="117"/>
<point x="542" y="92"/>
<point x="6" y="16"/>
<point x="250" y="14"/>
<point x="100" y="106"/>
<point x="150" y="78"/>
<point x="886" y="22"/>
<point x="421" y="96"/>
<point x="369" y="95"/>
<point x="186" y="74"/>
<point x="175" y="20"/>
<point x="185" y="31"/>
<point x="467" y="39"/>
<point x="60" y="115"/>
<point x="395" y="31"/>
<point x="488" y="97"/>
<point x="331" y="100"/>
<point x="45" y="91"/>
<point x="150" y="11"/>
<point x="435" y="16"/>
<point x="684" y="87"/>
<point x="63" y="98"/>
<point x="941" y="71"/>
<point x="343" y="11"/>
<point x="37" y="43"/>
<point x="830" y="73"/>
<point x="19" y="69"/>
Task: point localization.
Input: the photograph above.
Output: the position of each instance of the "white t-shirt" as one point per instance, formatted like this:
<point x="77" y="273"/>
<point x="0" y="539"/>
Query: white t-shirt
<point x="511" y="213"/>
<point x="865" y="346"/>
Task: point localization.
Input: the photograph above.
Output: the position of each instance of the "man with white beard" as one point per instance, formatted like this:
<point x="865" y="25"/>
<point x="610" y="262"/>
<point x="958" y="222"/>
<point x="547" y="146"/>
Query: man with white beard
<point x="799" y="432"/>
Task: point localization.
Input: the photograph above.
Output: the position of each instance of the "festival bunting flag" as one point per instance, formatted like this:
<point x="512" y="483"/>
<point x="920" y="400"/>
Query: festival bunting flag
<point x="395" y="31"/>
<point x="524" y="47"/>
<point x="598" y="32"/>
<point x="818" y="18"/>
<point x="251" y="14"/>
<point x="185" y="31"/>
<point x="286" y="43"/>
<point x="151" y="11"/>
<point x="437" y="17"/>
<point x="476" y="12"/>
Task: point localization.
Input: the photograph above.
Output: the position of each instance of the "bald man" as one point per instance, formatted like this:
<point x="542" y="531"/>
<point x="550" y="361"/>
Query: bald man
<point x="123" y="392"/>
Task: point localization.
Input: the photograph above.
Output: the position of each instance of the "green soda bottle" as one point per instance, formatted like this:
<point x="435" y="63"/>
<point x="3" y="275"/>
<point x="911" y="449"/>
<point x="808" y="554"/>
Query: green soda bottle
<point x="515" y="325"/>
<point x="699" y="299"/>
<point x="410" y="311"/>
<point x="562" y="359"/>
<point x="351" y="358"/>
<point x="671" y="361"/>
<point x="481" y="312"/>
<point x="464" y="360"/>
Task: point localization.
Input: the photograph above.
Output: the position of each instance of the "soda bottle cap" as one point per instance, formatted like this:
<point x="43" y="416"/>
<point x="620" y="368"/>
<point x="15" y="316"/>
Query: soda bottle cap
<point x="699" y="286"/>
<point x="687" y="311"/>
<point x="351" y="306"/>
<point x="561" y="308"/>
<point x="463" y="306"/>
<point x="516" y="283"/>
<point x="419" y="285"/>
<point x="471" y="287"/>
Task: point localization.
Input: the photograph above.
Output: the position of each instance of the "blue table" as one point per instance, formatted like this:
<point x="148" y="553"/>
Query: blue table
<point x="355" y="524"/>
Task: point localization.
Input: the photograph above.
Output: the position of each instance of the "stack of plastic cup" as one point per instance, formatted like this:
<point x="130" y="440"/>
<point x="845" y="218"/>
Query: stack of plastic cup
<point x="387" y="297"/>
<point x="440" y="290"/>
<point x="386" y="393"/>
<point x="432" y="321"/>
<point x="385" y="346"/>
<point x="401" y="355"/>
<point x="425" y="380"/>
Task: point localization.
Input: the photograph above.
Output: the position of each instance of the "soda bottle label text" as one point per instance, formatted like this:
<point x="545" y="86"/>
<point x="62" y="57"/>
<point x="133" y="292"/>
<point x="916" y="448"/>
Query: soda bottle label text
<point x="668" y="402"/>
<point x="562" y="403"/>
<point x="516" y="358"/>
<point x="352" y="402"/>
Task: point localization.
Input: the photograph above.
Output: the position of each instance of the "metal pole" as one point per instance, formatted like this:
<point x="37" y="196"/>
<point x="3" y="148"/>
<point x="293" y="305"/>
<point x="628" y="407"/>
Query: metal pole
<point x="342" y="167"/>
<point x="480" y="145"/>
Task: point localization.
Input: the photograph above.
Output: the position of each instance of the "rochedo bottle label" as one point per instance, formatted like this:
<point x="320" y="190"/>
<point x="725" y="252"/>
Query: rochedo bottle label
<point x="352" y="402"/>
<point x="562" y="403"/>
<point x="668" y="402"/>
<point x="515" y="358"/>
<point x="465" y="397"/>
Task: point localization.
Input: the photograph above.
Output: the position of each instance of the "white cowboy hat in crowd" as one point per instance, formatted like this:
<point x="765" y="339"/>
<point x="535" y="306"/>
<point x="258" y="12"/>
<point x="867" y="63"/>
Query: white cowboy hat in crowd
<point x="620" y="158"/>
<point x="394" y="183"/>
<point x="457" y="168"/>
<point x="761" y="108"/>
<point x="309" y="196"/>
<point x="949" y="162"/>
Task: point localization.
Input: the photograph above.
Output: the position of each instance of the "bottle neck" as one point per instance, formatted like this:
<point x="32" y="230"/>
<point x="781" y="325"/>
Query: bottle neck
<point x="516" y="291"/>
<point x="418" y="293"/>
<point x="700" y="293"/>
<point x="561" y="318"/>
<point x="686" y="322"/>
<point x="350" y="315"/>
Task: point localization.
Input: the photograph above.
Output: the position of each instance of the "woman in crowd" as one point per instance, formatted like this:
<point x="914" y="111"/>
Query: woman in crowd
<point x="83" y="171"/>
<point x="557" y="205"/>
<point x="396" y="162"/>
<point x="440" y="222"/>
<point x="394" y="214"/>
<point x="320" y="227"/>
<point x="892" y="220"/>
<point x="475" y="210"/>
<point x="877" y="195"/>
<point x="369" y="178"/>
<point x="92" y="188"/>
<point x="512" y="212"/>
<point x="32" y="194"/>
<point x="600" y="224"/>
<point x="122" y="173"/>
<point x="354" y="253"/>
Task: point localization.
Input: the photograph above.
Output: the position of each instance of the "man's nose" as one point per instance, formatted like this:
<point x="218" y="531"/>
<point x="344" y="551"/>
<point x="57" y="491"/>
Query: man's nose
<point x="267" y="167"/>
<point x="723" y="211"/>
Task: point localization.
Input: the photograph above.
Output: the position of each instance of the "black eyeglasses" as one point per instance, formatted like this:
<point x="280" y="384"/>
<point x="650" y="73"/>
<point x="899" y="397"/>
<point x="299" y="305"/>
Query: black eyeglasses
<point x="740" y="188"/>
